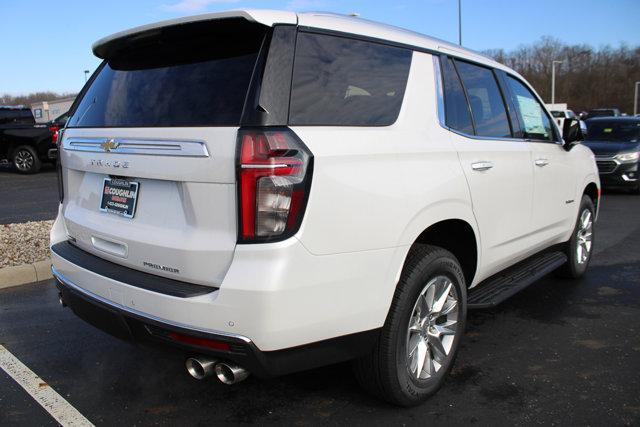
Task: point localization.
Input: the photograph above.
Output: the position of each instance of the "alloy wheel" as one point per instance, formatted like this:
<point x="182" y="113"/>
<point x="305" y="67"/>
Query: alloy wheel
<point x="24" y="160"/>
<point x="585" y="236"/>
<point x="432" y="328"/>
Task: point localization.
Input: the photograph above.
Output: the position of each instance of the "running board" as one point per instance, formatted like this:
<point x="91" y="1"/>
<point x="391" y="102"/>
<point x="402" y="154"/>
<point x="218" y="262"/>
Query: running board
<point x="501" y="286"/>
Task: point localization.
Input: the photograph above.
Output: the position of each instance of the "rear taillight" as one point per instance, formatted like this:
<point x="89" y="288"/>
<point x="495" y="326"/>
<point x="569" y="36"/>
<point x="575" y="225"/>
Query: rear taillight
<point x="54" y="129"/>
<point x="274" y="175"/>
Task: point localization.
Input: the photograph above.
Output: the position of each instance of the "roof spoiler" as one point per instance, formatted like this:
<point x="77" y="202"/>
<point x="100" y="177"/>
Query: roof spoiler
<point x="106" y="46"/>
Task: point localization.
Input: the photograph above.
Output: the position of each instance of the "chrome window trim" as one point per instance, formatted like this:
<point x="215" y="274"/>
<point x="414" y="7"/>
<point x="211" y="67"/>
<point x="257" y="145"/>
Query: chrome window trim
<point x="438" y="78"/>
<point x="442" y="119"/>
<point x="67" y="282"/>
<point x="150" y="147"/>
<point x="437" y="72"/>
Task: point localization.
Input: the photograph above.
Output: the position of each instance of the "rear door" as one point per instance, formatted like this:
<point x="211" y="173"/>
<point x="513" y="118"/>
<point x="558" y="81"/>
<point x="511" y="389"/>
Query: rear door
<point x="554" y="179"/>
<point x="497" y="167"/>
<point x="149" y="154"/>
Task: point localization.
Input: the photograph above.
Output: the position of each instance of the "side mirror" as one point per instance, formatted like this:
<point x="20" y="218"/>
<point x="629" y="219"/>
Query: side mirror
<point x="571" y="133"/>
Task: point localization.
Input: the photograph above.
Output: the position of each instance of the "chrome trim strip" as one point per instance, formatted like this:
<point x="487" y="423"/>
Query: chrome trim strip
<point x="64" y="280"/>
<point x="607" y="159"/>
<point x="151" y="147"/>
<point x="276" y="166"/>
<point x="442" y="117"/>
<point x="439" y="90"/>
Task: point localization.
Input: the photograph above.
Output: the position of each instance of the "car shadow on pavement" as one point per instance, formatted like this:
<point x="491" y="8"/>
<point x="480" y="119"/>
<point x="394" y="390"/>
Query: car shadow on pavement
<point x="539" y="355"/>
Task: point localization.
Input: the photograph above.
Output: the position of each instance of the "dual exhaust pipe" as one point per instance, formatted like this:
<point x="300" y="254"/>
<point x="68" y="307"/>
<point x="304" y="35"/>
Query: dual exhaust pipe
<point x="203" y="367"/>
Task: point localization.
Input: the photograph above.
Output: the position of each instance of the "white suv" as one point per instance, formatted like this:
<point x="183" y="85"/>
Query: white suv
<point x="272" y="191"/>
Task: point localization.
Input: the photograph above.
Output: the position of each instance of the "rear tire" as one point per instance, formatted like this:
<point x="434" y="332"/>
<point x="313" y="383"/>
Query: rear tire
<point x="25" y="160"/>
<point x="420" y="338"/>
<point x="579" y="248"/>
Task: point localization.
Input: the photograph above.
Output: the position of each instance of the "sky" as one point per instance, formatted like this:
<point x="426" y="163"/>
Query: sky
<point x="46" y="45"/>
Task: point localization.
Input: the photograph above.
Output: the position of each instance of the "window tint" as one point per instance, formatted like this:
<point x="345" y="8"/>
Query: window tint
<point x="533" y="119"/>
<point x="456" y="108"/>
<point x="190" y="76"/>
<point x="340" y="81"/>
<point x="487" y="106"/>
<point x="604" y="130"/>
<point x="16" y="116"/>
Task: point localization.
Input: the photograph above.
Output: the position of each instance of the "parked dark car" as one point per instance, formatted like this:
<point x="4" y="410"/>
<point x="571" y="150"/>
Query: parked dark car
<point x="23" y="143"/>
<point x="616" y="143"/>
<point x="603" y="112"/>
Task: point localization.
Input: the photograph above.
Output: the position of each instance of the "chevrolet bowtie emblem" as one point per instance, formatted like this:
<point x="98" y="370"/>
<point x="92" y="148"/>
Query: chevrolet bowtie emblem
<point x="109" y="145"/>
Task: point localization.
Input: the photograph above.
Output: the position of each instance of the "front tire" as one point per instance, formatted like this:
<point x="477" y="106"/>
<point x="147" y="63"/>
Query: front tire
<point x="579" y="248"/>
<point x="25" y="160"/>
<point x="421" y="335"/>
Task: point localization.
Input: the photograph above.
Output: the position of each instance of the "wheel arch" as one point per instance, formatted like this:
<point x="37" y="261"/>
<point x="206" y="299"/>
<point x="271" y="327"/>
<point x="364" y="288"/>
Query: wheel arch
<point x="458" y="237"/>
<point x="593" y="192"/>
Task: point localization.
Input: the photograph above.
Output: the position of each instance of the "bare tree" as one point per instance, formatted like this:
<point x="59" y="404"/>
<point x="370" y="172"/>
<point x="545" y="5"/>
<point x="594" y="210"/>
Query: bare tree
<point x="588" y="78"/>
<point x="30" y="98"/>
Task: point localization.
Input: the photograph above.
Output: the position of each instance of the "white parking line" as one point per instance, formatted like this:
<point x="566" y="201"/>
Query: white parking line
<point x="42" y="392"/>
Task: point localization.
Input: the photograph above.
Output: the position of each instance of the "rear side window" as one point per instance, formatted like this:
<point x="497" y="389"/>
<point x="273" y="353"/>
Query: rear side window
<point x="534" y="121"/>
<point x="487" y="105"/>
<point x="14" y="116"/>
<point x="197" y="75"/>
<point x="456" y="108"/>
<point x="341" y="81"/>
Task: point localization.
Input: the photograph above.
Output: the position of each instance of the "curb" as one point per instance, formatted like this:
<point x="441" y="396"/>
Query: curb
<point x="25" y="273"/>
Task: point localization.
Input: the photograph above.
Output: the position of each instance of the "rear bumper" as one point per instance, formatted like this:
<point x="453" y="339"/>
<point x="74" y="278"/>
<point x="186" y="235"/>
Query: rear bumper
<point x="130" y="325"/>
<point x="275" y="296"/>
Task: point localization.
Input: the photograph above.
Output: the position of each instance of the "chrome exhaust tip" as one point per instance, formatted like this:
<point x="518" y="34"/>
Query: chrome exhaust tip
<point x="200" y="367"/>
<point x="228" y="373"/>
<point x="61" y="301"/>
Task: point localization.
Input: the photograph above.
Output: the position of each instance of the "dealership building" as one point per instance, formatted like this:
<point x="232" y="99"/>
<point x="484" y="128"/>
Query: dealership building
<point x="49" y="110"/>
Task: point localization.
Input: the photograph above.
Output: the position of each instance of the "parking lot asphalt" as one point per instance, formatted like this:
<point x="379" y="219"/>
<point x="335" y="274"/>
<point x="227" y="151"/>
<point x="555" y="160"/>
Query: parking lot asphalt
<point x="560" y="352"/>
<point x="28" y="197"/>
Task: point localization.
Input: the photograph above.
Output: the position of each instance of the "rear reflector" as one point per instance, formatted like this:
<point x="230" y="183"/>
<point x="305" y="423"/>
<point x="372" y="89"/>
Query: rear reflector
<point x="201" y="342"/>
<point x="274" y="174"/>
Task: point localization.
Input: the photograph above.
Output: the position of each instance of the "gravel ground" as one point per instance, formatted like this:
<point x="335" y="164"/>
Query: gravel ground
<point x="24" y="243"/>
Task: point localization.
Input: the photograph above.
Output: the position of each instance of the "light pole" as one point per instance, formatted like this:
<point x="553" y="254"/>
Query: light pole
<point x="635" y="99"/>
<point x="86" y="75"/>
<point x="460" y="22"/>
<point x="553" y="80"/>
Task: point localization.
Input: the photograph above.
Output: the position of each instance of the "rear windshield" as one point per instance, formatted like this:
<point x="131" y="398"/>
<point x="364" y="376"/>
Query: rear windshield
<point x="341" y="81"/>
<point x="613" y="131"/>
<point x="601" y="113"/>
<point x="11" y="116"/>
<point x="191" y="76"/>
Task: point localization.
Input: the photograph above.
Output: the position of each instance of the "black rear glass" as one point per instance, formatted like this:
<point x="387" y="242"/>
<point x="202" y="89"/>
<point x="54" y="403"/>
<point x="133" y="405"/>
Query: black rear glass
<point x="456" y="108"/>
<point x="341" y="81"/>
<point x="604" y="130"/>
<point x="16" y="116"/>
<point x="196" y="75"/>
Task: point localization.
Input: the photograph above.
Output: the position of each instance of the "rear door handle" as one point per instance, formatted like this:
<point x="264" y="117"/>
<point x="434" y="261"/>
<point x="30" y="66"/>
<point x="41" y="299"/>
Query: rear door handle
<point x="541" y="162"/>
<point x="481" y="166"/>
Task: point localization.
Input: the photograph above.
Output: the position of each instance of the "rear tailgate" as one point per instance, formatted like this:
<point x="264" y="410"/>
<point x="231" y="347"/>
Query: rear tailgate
<point x="156" y="132"/>
<point x="184" y="224"/>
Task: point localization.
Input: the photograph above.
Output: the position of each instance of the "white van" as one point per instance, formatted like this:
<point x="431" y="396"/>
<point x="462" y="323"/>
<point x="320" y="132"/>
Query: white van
<point x="272" y="192"/>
